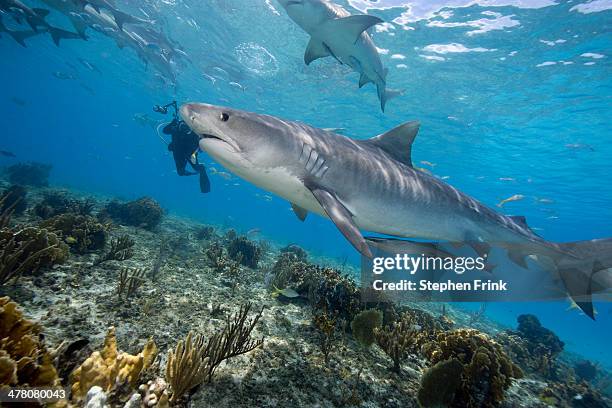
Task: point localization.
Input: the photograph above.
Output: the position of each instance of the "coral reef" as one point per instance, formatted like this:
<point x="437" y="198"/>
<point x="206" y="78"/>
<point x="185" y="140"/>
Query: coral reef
<point x="14" y="198"/>
<point x="439" y="384"/>
<point x="244" y="251"/>
<point x="195" y="359"/>
<point x="572" y="395"/>
<point x="204" y="232"/>
<point x="326" y="325"/>
<point x="82" y="233"/>
<point x="530" y="328"/>
<point x="29" y="174"/>
<point x="144" y="213"/>
<point x="398" y="339"/>
<point x="28" y="250"/>
<point x="586" y="370"/>
<point x="222" y="264"/>
<point x="121" y="248"/>
<point x="533" y="347"/>
<point x="128" y="282"/>
<point x="364" y="324"/>
<point x="326" y="288"/>
<point x="109" y="367"/>
<point x="295" y="249"/>
<point x="487" y="370"/>
<point x="56" y="202"/>
<point x="24" y="359"/>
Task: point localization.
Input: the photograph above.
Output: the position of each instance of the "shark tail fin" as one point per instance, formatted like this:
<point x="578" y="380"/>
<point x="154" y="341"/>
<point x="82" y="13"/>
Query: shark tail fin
<point x="591" y="258"/>
<point x="386" y="94"/>
<point x="58" y="34"/>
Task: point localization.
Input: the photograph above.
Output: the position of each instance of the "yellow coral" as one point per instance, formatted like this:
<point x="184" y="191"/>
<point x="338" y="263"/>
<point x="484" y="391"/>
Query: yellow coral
<point x="108" y="367"/>
<point x="24" y="360"/>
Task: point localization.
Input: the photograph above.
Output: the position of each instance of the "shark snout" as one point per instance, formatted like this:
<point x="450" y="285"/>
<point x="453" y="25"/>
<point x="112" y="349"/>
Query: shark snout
<point x="188" y="113"/>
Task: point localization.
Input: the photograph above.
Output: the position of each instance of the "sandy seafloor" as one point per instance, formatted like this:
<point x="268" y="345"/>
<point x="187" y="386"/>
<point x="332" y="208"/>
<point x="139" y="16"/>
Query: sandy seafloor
<point x="78" y="300"/>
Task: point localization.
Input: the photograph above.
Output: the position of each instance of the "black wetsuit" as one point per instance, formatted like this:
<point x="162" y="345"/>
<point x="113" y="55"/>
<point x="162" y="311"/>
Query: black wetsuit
<point x="183" y="146"/>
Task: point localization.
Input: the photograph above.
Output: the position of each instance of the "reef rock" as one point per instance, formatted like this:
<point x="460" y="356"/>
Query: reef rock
<point x="487" y="370"/>
<point x="81" y="232"/>
<point x="144" y="212"/>
<point x="30" y="174"/>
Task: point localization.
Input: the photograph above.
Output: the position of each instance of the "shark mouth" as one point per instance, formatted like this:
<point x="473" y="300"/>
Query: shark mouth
<point x="230" y="143"/>
<point x="209" y="136"/>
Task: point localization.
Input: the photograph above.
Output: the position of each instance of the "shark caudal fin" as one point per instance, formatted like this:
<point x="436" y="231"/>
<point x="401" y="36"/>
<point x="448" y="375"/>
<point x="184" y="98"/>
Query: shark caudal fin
<point x="58" y="34"/>
<point x="385" y="94"/>
<point x="586" y="270"/>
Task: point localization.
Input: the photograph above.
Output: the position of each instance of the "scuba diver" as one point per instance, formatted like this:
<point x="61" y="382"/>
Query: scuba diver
<point x="183" y="145"/>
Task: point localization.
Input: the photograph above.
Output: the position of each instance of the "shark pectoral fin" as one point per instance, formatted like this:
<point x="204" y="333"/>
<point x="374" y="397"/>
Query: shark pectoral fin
<point x="363" y="79"/>
<point x="299" y="211"/>
<point x="353" y="26"/>
<point x="518" y="258"/>
<point x="342" y="218"/>
<point x="397" y="142"/>
<point x="315" y="50"/>
<point x="578" y="288"/>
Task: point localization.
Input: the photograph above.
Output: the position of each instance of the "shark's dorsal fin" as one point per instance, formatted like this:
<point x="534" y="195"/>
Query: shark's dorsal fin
<point x="40" y="12"/>
<point x="353" y="26"/>
<point x="315" y="50"/>
<point x="397" y="142"/>
<point x="520" y="220"/>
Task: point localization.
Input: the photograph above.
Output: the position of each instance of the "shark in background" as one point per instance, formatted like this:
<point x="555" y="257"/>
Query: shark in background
<point x="372" y="185"/>
<point x="35" y="18"/>
<point x="150" y="43"/>
<point x="335" y="32"/>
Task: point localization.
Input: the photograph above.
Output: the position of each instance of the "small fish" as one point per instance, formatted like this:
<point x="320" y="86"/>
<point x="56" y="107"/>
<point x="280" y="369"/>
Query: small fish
<point x="89" y="65"/>
<point x="253" y="231"/>
<point x="87" y="88"/>
<point x="287" y="292"/>
<point x="224" y="175"/>
<point x="267" y="197"/>
<point x="63" y="75"/>
<point x="71" y="240"/>
<point x="507" y="179"/>
<point x="427" y="163"/>
<point x="579" y="146"/>
<point x="144" y="119"/>
<point x="423" y="170"/>
<point x="545" y="200"/>
<point x="18" y="101"/>
<point x="6" y="153"/>
<point x="515" y="197"/>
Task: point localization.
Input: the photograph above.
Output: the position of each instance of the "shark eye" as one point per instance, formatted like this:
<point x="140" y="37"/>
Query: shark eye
<point x="224" y="117"/>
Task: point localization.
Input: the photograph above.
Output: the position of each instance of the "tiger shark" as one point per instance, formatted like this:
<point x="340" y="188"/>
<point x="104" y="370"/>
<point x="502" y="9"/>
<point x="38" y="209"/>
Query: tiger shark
<point x="372" y="185"/>
<point x="335" y="32"/>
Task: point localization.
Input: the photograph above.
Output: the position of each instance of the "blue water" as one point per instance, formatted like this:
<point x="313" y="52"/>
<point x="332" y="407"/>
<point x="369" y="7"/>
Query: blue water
<point x="514" y="97"/>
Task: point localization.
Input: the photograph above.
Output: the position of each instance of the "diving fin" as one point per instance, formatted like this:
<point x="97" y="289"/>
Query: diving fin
<point x="342" y="218"/>
<point x="204" y="181"/>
